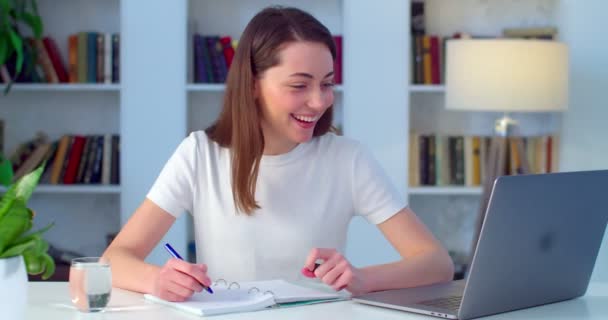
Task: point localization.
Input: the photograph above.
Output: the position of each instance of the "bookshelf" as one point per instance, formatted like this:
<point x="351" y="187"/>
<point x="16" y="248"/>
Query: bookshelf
<point x="83" y="214"/>
<point x="217" y="87"/>
<point x="62" y="87"/>
<point x="442" y="190"/>
<point x="73" y="189"/>
<point x="420" y="88"/>
<point x="450" y="211"/>
<point x="477" y="18"/>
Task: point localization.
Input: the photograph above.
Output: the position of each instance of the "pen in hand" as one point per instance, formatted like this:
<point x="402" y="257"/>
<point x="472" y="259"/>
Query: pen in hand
<point x="176" y="255"/>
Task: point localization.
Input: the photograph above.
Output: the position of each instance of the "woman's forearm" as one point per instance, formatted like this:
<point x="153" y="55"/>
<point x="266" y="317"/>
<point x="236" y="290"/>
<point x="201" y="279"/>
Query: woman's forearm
<point x="422" y="269"/>
<point x="129" y="271"/>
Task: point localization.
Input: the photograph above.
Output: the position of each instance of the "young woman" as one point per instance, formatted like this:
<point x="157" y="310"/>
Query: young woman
<point x="270" y="189"/>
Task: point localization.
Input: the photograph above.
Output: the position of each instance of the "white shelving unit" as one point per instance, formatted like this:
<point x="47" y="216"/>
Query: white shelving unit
<point x="218" y="87"/>
<point x="74" y="189"/>
<point x="42" y="87"/>
<point x="82" y="214"/>
<point x="451" y="211"/>
<point x="441" y="190"/>
<point x="420" y="88"/>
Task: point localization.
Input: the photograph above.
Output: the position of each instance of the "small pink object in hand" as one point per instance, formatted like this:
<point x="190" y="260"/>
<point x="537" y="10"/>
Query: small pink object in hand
<point x="310" y="274"/>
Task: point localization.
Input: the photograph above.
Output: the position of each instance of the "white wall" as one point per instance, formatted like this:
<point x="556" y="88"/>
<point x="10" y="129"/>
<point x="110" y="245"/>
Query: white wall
<point x="583" y="26"/>
<point x="375" y="103"/>
<point x="153" y="102"/>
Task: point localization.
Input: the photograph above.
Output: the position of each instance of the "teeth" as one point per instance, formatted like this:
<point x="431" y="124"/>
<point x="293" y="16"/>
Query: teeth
<point x="305" y="118"/>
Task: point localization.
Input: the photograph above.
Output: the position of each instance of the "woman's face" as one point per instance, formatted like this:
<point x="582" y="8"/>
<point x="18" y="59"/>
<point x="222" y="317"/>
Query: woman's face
<point x="294" y="94"/>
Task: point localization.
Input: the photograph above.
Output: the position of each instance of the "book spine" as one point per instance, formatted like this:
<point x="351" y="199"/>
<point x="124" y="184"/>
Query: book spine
<point x="82" y="57"/>
<point x="115" y="174"/>
<point x="100" y="57"/>
<point x="200" y="67"/>
<point x="115" y="58"/>
<point x="107" y="56"/>
<point x="83" y="160"/>
<point x="107" y="159"/>
<point x="73" y="58"/>
<point x="74" y="160"/>
<point x="91" y="61"/>
<point x="54" y="54"/>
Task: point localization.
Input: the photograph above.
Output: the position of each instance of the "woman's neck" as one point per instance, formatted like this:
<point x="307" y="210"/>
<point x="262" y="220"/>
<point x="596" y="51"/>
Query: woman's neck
<point x="273" y="148"/>
<point x="276" y="144"/>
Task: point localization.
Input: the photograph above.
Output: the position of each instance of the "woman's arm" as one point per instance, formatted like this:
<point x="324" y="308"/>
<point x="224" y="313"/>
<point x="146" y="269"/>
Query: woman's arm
<point x="424" y="262"/>
<point x="175" y="281"/>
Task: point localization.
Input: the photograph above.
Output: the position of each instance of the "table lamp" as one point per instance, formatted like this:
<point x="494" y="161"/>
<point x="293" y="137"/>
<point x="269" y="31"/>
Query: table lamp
<point x="505" y="75"/>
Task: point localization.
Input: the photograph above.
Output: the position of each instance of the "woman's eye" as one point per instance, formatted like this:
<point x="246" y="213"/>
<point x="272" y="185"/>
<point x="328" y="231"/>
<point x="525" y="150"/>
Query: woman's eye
<point x="298" y="86"/>
<point x="329" y="84"/>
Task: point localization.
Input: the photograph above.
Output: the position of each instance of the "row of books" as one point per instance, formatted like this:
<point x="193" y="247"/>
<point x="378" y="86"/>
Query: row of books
<point x="429" y="51"/>
<point x="73" y="159"/>
<point x="427" y="64"/>
<point x="443" y="160"/>
<point x="93" y="57"/>
<point x="212" y="57"/>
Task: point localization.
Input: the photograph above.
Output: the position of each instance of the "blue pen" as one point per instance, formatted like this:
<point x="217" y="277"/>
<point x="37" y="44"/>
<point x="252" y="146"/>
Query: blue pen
<point x="177" y="256"/>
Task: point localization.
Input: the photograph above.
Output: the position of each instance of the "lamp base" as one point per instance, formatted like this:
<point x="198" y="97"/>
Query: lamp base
<point x="505" y="126"/>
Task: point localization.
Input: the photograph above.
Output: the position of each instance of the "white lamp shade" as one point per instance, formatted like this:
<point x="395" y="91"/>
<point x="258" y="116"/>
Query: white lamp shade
<point x="506" y="75"/>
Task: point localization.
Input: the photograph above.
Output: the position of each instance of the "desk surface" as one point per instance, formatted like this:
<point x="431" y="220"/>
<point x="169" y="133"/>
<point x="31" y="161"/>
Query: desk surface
<point x="50" y="300"/>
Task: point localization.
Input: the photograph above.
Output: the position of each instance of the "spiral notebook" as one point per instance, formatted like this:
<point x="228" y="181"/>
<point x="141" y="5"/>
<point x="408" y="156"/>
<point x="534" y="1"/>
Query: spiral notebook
<point x="250" y="296"/>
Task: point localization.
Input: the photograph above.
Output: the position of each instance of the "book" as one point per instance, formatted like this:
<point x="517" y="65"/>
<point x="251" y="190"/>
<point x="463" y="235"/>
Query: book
<point x="250" y="296"/>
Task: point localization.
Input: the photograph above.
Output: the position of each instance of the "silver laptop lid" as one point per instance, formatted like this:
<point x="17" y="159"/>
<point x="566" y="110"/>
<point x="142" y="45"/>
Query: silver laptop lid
<point x="538" y="243"/>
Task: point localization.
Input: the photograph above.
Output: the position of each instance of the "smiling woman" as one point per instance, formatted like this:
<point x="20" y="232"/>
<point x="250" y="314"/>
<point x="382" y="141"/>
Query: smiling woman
<point x="271" y="190"/>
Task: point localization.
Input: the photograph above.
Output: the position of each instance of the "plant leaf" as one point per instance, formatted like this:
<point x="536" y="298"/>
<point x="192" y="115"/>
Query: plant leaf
<point x="34" y="22"/>
<point x="18" y="249"/>
<point x="35" y="234"/>
<point x="18" y="45"/>
<point x="49" y="266"/>
<point x="23" y="188"/>
<point x="33" y="263"/>
<point x="15" y="222"/>
<point x="6" y="171"/>
<point x="3" y="48"/>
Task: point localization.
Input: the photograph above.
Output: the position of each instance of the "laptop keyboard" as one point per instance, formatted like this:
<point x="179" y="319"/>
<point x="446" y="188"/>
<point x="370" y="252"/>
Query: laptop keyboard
<point x="450" y="302"/>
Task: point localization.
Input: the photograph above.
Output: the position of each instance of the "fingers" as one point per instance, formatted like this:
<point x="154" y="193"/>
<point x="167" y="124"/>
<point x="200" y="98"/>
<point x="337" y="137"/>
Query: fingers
<point x="170" y="296"/>
<point x="178" y="290"/>
<point x="333" y="274"/>
<point x="196" y="271"/>
<point x="178" y="280"/>
<point x="328" y="265"/>
<point x="186" y="281"/>
<point x="317" y="253"/>
<point x="335" y="271"/>
<point x="343" y="280"/>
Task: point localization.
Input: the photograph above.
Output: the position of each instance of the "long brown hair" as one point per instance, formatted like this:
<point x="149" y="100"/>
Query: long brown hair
<point x="238" y="126"/>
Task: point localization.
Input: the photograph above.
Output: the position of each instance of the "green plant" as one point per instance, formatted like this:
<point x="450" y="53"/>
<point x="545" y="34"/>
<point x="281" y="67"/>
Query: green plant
<point x="13" y="15"/>
<point x="6" y="171"/>
<point x="16" y="220"/>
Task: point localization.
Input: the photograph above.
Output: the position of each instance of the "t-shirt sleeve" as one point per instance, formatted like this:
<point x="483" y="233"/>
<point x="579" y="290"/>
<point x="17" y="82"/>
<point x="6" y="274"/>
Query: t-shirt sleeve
<point x="174" y="187"/>
<point x="375" y="197"/>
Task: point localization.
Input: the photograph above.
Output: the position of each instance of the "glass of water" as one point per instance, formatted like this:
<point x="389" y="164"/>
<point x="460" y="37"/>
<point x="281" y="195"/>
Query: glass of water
<point x="90" y="283"/>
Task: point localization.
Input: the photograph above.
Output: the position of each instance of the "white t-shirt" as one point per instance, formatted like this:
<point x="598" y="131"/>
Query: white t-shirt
<point x="307" y="198"/>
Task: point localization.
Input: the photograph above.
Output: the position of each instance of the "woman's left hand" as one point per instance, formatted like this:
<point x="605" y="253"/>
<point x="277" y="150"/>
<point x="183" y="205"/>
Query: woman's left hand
<point x="335" y="271"/>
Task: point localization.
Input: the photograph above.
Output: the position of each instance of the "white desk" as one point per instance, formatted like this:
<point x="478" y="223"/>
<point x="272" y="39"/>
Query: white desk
<point x="50" y="300"/>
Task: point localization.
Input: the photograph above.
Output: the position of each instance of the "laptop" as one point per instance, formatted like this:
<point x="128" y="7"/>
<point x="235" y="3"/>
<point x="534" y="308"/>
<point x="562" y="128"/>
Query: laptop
<point x="538" y="245"/>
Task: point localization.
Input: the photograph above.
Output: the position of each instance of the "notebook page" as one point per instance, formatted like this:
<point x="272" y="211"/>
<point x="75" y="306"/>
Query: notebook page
<point x="220" y="302"/>
<point x="286" y="292"/>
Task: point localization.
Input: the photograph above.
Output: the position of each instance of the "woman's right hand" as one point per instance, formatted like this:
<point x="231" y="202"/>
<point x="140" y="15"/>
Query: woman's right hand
<point x="178" y="280"/>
